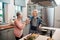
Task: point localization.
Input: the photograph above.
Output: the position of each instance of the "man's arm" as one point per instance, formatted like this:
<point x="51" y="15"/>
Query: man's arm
<point x="40" y="25"/>
<point x="40" y="22"/>
<point x="19" y="25"/>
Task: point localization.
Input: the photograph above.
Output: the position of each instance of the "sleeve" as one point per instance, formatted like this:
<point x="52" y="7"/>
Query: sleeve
<point x="40" y="21"/>
<point x="19" y="25"/>
<point x="30" y="17"/>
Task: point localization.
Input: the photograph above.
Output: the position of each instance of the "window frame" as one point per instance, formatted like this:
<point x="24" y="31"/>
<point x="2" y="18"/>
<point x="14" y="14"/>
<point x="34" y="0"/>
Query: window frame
<point x="2" y="15"/>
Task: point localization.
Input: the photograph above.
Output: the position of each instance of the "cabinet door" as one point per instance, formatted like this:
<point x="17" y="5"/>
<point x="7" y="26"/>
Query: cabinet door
<point x="7" y="34"/>
<point x="3" y="35"/>
<point x="0" y="35"/>
<point x="10" y="34"/>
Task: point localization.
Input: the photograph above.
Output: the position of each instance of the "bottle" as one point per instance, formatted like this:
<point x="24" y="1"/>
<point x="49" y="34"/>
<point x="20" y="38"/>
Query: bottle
<point x="50" y="36"/>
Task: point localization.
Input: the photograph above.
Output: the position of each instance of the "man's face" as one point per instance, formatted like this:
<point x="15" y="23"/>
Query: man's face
<point x="34" y="13"/>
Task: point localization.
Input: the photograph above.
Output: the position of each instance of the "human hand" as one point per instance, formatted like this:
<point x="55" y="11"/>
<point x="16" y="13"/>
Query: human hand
<point x="40" y="26"/>
<point x="27" y="21"/>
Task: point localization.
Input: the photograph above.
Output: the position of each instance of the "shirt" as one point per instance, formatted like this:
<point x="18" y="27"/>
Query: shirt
<point x="39" y="21"/>
<point x="18" y="29"/>
<point x="34" y="22"/>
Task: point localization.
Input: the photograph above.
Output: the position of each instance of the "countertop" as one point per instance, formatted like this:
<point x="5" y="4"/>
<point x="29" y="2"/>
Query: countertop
<point x="50" y="28"/>
<point x="55" y="36"/>
<point x="40" y="37"/>
<point x="3" y="27"/>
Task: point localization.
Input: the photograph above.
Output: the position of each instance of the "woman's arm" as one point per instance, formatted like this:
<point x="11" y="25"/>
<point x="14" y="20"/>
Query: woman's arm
<point x="40" y="22"/>
<point x="19" y="25"/>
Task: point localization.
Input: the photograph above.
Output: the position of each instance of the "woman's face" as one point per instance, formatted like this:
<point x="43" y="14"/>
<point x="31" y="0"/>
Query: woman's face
<point x="20" y="16"/>
<point x="35" y="13"/>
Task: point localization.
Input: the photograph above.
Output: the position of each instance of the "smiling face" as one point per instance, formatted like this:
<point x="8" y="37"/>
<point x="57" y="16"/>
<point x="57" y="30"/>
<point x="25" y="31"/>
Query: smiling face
<point x="19" y="16"/>
<point x="34" y="13"/>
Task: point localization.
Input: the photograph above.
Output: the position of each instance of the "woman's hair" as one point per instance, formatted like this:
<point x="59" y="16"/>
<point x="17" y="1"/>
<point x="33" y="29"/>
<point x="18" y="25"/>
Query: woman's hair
<point x="18" y="13"/>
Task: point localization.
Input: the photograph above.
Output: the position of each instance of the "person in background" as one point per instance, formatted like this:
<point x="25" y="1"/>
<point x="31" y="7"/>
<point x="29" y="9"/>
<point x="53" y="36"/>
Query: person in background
<point x="19" y="26"/>
<point x="35" y="22"/>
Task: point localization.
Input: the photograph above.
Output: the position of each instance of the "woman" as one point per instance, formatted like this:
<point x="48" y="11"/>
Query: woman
<point x="19" y="26"/>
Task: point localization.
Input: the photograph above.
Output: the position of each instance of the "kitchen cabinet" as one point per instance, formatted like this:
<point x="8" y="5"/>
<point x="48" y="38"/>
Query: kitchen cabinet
<point x="7" y="34"/>
<point x="3" y="35"/>
<point x="31" y="7"/>
<point x="10" y="34"/>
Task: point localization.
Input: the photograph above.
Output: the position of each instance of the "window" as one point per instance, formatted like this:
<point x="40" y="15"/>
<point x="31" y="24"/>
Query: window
<point x="57" y="2"/>
<point x="18" y="9"/>
<point x="1" y="12"/>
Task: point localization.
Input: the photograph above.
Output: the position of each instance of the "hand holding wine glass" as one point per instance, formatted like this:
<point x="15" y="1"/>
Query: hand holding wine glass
<point x="27" y="21"/>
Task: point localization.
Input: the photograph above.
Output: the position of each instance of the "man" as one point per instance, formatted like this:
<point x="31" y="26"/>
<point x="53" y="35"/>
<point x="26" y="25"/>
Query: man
<point x="35" y="22"/>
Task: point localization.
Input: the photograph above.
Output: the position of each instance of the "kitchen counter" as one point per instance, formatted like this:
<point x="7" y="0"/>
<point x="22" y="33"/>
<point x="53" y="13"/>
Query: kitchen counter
<point x="40" y="37"/>
<point x="50" y="28"/>
<point x="55" y="36"/>
<point x="7" y="32"/>
<point x="3" y="27"/>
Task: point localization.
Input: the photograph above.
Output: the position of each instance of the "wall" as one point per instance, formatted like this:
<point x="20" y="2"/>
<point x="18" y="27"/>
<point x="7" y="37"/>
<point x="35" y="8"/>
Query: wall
<point x="26" y="29"/>
<point x="54" y="16"/>
<point x="10" y="11"/>
<point x="50" y="12"/>
<point x="57" y="17"/>
<point x="25" y="11"/>
<point x="48" y="16"/>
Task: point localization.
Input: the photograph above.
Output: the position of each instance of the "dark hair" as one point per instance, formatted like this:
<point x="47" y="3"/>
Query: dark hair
<point x="18" y="13"/>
